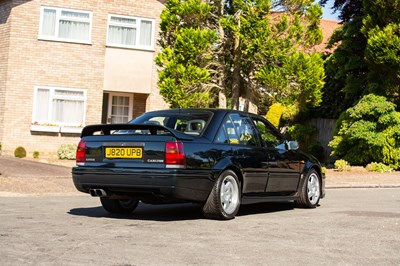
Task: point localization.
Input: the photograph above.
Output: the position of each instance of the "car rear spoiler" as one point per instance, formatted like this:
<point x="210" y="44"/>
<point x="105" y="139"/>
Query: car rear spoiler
<point x="106" y="129"/>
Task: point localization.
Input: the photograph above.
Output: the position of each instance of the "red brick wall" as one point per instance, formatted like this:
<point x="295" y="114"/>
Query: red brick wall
<point x="34" y="62"/>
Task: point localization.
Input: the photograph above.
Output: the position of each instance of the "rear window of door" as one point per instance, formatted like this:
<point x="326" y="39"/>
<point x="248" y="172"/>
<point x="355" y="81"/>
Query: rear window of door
<point x="237" y="130"/>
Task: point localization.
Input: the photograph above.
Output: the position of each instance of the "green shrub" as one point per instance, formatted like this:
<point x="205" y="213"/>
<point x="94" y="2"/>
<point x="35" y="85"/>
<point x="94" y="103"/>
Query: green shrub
<point x="290" y="112"/>
<point x="317" y="150"/>
<point x="369" y="132"/>
<point x="323" y="170"/>
<point x="35" y="154"/>
<point x="304" y="134"/>
<point x="275" y="113"/>
<point x="378" y="167"/>
<point x="20" y="152"/>
<point x="67" y="151"/>
<point x="342" y="165"/>
<point x="301" y="132"/>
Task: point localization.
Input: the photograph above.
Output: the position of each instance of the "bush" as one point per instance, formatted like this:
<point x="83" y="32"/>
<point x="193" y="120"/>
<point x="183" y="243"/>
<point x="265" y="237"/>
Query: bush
<point x="275" y="113"/>
<point x="342" y="165"/>
<point x="378" y="167"/>
<point x="317" y="150"/>
<point x="369" y="132"/>
<point x="304" y="134"/>
<point x="20" y="152"/>
<point x="67" y="151"/>
<point x="301" y="132"/>
<point x="35" y="154"/>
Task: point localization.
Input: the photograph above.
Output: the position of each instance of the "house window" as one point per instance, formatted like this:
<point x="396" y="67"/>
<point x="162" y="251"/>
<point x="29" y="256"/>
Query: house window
<point x="59" y="106"/>
<point x="60" y="24"/>
<point x="130" y="32"/>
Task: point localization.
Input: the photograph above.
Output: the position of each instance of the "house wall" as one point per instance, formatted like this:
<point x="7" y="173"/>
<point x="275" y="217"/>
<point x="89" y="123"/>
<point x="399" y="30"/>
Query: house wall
<point x="34" y="62"/>
<point x="5" y="9"/>
<point x="128" y="70"/>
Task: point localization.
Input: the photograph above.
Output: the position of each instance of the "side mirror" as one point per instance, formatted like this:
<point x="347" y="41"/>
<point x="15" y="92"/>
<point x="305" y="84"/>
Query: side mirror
<point x="292" y="145"/>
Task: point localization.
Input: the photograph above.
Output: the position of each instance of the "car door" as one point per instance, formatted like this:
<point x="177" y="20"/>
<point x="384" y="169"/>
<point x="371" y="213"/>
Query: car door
<point x="283" y="165"/>
<point x="249" y="155"/>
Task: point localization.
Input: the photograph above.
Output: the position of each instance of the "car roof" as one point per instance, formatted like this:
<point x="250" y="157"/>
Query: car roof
<point x="213" y="110"/>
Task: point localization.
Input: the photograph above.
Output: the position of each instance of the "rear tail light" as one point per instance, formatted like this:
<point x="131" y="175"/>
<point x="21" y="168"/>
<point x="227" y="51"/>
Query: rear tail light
<point x="174" y="155"/>
<point x="81" y="153"/>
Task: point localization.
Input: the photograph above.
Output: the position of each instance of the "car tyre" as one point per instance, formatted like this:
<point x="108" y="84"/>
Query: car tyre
<point x="119" y="206"/>
<point x="224" y="200"/>
<point x="310" y="193"/>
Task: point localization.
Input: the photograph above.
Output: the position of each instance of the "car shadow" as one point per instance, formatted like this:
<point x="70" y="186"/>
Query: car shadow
<point x="162" y="213"/>
<point x="266" y="207"/>
<point x="178" y="212"/>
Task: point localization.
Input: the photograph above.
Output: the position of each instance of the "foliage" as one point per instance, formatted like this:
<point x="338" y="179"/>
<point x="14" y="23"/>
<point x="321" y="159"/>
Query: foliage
<point x="20" y="152"/>
<point x="368" y="132"/>
<point x="302" y="83"/>
<point x="346" y="70"/>
<point x="316" y="149"/>
<point x="240" y="48"/>
<point x="381" y="25"/>
<point x="323" y="170"/>
<point x="290" y="113"/>
<point x="275" y="113"/>
<point x="367" y="57"/>
<point x="67" y="151"/>
<point x="36" y="154"/>
<point x="378" y="167"/>
<point x="342" y="165"/>
<point x="301" y="133"/>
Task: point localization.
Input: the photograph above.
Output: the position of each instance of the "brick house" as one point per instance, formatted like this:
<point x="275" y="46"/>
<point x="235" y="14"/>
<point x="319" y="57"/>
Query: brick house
<point x="66" y="64"/>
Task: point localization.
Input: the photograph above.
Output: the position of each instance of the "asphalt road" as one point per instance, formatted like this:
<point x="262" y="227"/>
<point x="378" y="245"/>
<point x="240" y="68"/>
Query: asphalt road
<point x="351" y="227"/>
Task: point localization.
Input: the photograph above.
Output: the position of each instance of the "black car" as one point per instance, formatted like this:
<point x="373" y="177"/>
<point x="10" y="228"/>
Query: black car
<point x="218" y="158"/>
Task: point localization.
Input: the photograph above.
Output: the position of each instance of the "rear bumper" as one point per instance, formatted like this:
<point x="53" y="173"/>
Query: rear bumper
<point x="180" y="184"/>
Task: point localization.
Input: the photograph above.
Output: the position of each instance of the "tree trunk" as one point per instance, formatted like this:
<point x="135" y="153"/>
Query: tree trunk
<point x="248" y="89"/>
<point x="237" y="57"/>
<point x="222" y="75"/>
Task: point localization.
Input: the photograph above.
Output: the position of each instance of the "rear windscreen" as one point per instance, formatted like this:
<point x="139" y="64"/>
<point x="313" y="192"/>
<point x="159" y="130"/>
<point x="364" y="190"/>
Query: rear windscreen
<point x="192" y="123"/>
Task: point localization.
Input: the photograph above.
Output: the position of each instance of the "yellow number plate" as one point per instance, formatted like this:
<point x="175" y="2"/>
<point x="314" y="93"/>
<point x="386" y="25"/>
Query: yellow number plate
<point x="124" y="153"/>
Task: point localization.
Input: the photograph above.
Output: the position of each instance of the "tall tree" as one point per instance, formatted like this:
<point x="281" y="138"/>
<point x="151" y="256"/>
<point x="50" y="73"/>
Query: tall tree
<point x="187" y="54"/>
<point x="367" y="57"/>
<point x="381" y="26"/>
<point x="235" y="47"/>
<point x="346" y="69"/>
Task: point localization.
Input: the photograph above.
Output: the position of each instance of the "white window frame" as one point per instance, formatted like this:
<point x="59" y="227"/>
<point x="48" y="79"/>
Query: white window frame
<point x="137" y="27"/>
<point x="110" y="97"/>
<point x="58" y="18"/>
<point x="52" y="96"/>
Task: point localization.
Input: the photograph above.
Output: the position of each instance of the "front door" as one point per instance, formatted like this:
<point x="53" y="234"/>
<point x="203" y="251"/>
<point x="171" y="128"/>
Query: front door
<point x="120" y="108"/>
<point x="283" y="165"/>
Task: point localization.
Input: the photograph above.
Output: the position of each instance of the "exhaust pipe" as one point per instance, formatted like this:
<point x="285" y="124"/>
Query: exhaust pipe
<point x="97" y="192"/>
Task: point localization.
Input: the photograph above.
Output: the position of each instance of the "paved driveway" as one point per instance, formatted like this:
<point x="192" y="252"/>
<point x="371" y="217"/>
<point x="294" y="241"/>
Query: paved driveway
<point x="351" y="227"/>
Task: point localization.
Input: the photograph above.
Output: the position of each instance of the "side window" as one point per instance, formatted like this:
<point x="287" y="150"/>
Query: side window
<point x="227" y="133"/>
<point x="268" y="136"/>
<point x="238" y="130"/>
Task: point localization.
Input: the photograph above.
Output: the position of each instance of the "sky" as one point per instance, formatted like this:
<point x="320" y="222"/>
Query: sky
<point x="327" y="11"/>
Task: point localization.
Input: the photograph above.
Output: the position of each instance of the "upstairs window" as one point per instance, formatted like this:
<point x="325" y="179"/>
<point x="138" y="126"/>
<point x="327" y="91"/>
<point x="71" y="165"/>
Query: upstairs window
<point x="59" y="106"/>
<point x="67" y="25"/>
<point x="130" y="32"/>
